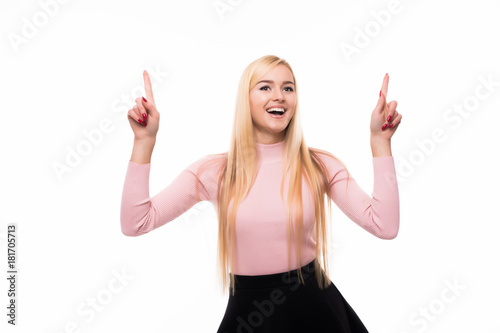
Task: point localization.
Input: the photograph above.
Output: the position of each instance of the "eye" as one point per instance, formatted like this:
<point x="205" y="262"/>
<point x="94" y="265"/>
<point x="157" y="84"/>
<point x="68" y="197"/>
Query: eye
<point x="263" y="88"/>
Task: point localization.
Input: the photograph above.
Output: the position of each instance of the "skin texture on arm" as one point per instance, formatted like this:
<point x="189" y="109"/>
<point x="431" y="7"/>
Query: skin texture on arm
<point x="142" y="150"/>
<point x="380" y="146"/>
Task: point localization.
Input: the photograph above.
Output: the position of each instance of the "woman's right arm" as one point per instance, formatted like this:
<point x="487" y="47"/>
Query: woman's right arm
<point x="139" y="214"/>
<point x="135" y="196"/>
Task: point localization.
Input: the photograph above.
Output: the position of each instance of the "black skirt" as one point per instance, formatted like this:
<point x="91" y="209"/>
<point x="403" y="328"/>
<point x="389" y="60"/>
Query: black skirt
<point x="279" y="302"/>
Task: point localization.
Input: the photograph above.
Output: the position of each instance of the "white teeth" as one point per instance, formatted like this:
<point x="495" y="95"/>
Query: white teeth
<point x="276" y="109"/>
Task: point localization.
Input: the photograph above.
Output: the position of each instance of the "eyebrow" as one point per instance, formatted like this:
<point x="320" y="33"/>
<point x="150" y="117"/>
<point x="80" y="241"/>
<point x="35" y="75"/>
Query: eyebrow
<point x="271" y="81"/>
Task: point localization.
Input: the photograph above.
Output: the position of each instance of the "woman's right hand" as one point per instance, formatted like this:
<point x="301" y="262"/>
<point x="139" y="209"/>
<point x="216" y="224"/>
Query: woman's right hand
<point x="143" y="117"/>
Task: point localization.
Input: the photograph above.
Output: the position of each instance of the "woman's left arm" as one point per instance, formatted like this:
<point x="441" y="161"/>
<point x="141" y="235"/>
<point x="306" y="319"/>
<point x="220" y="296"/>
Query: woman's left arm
<point x="378" y="213"/>
<point x="384" y="122"/>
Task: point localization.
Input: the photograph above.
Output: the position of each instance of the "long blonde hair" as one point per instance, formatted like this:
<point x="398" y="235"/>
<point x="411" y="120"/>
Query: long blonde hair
<point x="238" y="169"/>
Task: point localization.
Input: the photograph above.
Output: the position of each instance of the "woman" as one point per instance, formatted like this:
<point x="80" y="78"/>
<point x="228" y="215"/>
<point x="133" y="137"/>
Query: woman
<point x="277" y="283"/>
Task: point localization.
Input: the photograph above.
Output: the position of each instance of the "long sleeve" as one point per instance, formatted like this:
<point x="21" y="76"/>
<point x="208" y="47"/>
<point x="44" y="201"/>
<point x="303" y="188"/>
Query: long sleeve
<point x="377" y="214"/>
<point x="139" y="214"/>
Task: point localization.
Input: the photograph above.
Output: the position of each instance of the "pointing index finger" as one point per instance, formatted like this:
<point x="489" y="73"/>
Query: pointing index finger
<point x="147" y="87"/>
<point x="385" y="84"/>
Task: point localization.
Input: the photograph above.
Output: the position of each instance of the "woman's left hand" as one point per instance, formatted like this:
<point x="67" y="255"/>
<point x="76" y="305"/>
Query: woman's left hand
<point x="385" y="119"/>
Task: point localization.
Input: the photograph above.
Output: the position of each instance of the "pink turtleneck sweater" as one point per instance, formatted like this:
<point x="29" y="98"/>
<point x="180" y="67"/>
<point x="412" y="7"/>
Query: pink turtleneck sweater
<point x="261" y="242"/>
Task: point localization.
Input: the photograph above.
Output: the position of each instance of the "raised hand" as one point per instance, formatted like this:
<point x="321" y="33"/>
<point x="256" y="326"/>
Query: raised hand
<point x="143" y="117"/>
<point x="385" y="119"/>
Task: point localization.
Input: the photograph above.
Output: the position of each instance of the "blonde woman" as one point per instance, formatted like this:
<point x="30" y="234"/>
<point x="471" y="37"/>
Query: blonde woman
<point x="269" y="192"/>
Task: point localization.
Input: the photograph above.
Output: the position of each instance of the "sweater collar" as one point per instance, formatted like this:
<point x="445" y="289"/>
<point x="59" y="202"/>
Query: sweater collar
<point x="270" y="152"/>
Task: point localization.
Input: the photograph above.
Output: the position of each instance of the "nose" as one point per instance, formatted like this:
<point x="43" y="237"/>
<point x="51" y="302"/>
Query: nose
<point x="278" y="95"/>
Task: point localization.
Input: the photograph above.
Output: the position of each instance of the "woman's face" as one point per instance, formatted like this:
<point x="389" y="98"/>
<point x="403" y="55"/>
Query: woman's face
<point x="275" y="89"/>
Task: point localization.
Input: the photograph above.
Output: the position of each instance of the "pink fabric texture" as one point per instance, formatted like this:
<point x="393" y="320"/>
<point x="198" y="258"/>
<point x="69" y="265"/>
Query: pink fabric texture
<point x="261" y="235"/>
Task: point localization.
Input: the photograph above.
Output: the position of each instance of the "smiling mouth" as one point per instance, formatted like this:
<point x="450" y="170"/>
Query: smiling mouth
<point x="276" y="111"/>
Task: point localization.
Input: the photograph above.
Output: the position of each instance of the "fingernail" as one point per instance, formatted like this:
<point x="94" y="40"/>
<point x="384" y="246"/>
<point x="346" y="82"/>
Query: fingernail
<point x="387" y="74"/>
<point x="144" y="115"/>
<point x="388" y="118"/>
<point x="145" y="100"/>
<point x="141" y="121"/>
<point x="391" y="125"/>
<point x="383" y="127"/>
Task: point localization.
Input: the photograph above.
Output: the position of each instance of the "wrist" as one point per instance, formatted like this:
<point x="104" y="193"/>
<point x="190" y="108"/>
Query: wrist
<point x="142" y="150"/>
<point x="380" y="146"/>
<point x="378" y="138"/>
<point x="147" y="141"/>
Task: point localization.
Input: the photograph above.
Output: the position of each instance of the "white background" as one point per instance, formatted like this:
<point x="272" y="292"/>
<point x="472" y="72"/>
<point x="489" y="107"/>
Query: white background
<point x="83" y="65"/>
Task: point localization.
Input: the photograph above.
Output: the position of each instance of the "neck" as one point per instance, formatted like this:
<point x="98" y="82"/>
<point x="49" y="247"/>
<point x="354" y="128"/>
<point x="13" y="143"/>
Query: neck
<point x="268" y="139"/>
